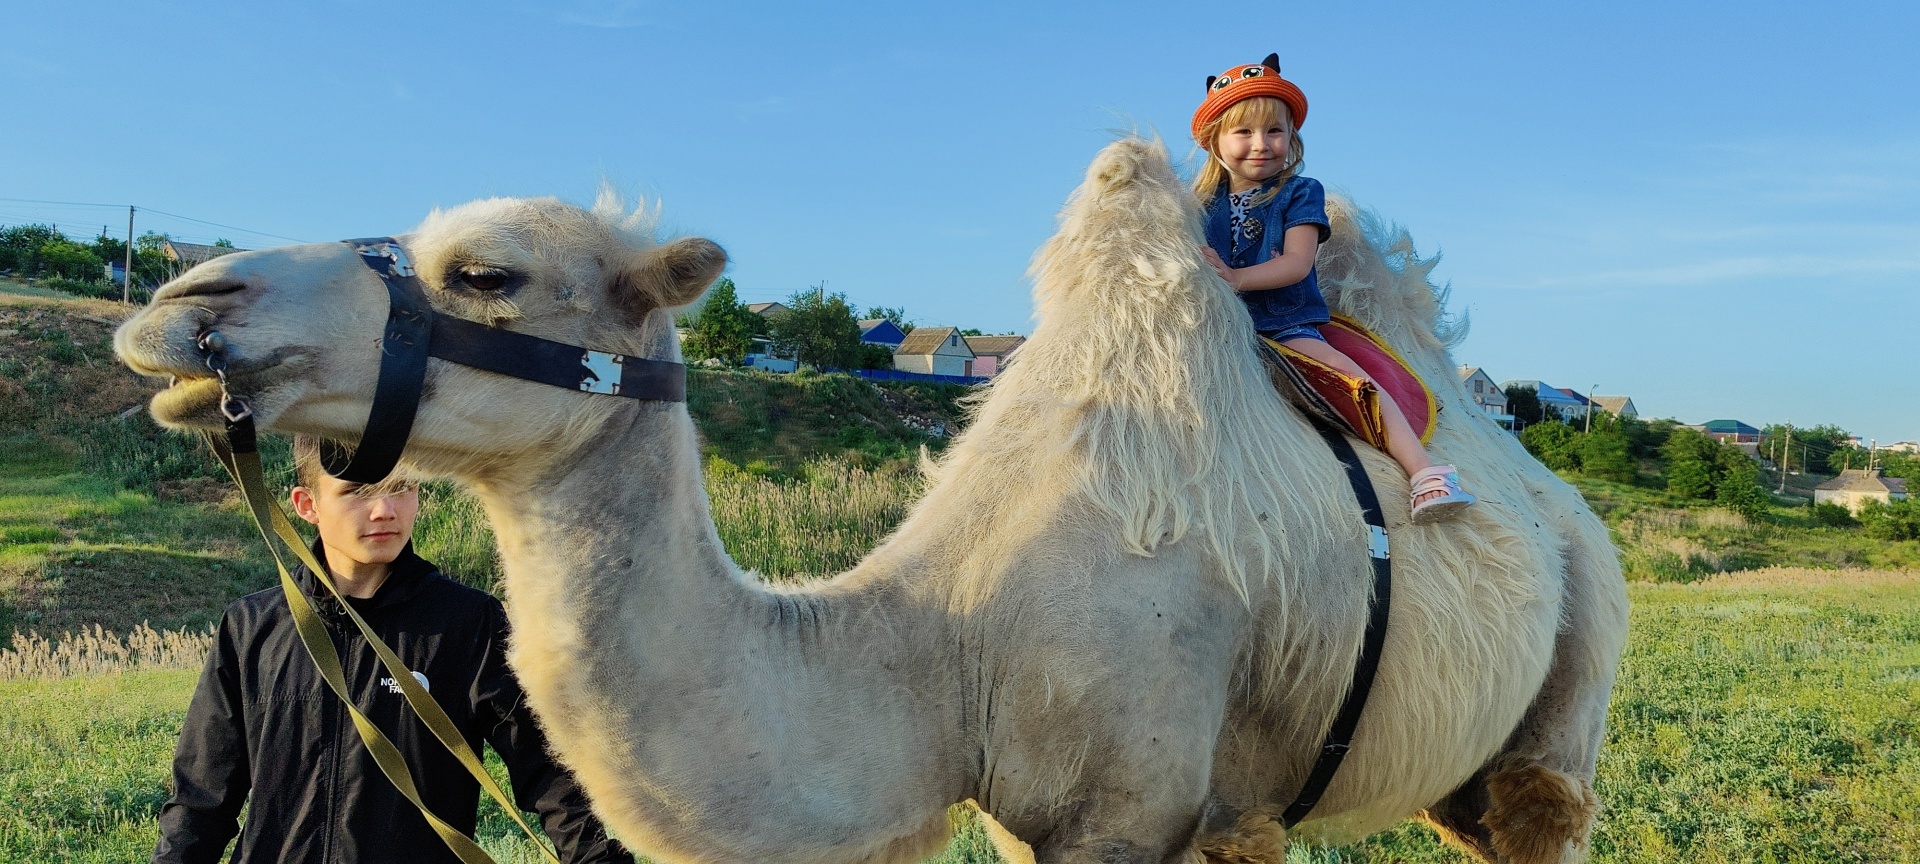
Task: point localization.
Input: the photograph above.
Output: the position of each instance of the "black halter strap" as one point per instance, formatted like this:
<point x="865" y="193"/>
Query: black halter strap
<point x="1340" y="736"/>
<point x="415" y="332"/>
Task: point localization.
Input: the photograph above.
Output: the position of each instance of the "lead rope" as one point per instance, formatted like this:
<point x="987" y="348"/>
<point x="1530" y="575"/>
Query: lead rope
<point x="239" y="452"/>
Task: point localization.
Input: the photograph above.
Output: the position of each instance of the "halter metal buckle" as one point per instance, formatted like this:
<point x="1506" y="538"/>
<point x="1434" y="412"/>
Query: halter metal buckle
<point x="1377" y="541"/>
<point x="392" y="252"/>
<point x="603" y="372"/>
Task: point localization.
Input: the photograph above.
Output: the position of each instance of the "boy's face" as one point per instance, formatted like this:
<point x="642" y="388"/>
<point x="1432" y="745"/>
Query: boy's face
<point x="370" y="529"/>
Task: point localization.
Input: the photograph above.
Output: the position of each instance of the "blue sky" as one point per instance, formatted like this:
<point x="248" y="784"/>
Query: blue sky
<point x="1711" y="207"/>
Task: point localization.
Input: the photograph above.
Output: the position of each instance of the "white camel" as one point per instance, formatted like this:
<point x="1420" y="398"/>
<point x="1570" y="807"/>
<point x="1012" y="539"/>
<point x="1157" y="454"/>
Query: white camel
<point x="1122" y="618"/>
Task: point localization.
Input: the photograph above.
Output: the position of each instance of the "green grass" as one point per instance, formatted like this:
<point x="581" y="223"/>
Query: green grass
<point x="86" y="763"/>
<point x="1761" y="717"/>
<point x="22" y="289"/>
<point x="1663" y="538"/>
<point x="772" y="425"/>
<point x="82" y="550"/>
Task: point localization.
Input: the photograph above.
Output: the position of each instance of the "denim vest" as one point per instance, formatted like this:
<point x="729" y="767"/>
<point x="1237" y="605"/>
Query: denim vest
<point x="1301" y="201"/>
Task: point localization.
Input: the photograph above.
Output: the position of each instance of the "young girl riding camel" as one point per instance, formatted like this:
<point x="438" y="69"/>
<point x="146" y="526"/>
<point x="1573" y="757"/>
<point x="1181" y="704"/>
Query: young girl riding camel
<point x="1265" y="222"/>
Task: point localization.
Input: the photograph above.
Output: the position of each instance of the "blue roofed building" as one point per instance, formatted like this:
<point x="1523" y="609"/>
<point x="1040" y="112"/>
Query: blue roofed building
<point x="880" y="331"/>
<point x="1553" y="400"/>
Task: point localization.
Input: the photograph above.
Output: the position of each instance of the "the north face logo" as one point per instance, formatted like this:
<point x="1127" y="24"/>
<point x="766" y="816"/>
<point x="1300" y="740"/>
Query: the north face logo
<point x="394" y="686"/>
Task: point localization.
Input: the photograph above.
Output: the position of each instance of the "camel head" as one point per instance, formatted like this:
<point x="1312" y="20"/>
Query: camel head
<point x="302" y="325"/>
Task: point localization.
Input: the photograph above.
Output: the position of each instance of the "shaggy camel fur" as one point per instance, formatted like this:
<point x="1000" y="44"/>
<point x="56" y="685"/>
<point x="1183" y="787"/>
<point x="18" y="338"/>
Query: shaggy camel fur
<point x="1121" y="619"/>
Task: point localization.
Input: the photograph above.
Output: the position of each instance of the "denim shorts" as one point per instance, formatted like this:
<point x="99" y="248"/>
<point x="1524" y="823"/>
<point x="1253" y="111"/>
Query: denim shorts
<point x="1301" y="331"/>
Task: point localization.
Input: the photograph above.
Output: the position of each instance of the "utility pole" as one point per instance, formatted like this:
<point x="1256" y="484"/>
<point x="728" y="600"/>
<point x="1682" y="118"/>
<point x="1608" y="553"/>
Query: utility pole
<point x="1590" y="390"/>
<point x="1783" y="462"/>
<point x="126" y="279"/>
<point x="1873" y="451"/>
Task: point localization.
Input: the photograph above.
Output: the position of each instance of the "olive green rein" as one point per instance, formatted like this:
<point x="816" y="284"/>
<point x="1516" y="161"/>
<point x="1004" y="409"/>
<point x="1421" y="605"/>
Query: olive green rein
<point x="238" y="451"/>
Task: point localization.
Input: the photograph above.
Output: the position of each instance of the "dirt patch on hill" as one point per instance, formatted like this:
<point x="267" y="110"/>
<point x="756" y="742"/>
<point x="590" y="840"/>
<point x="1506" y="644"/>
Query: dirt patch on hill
<point x="57" y="363"/>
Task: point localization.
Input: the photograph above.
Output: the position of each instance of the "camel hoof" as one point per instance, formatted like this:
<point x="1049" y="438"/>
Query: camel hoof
<point x="1539" y="816"/>
<point x="1256" y="838"/>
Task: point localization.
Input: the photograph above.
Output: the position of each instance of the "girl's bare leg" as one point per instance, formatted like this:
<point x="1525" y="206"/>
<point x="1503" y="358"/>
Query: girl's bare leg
<point x="1402" y="444"/>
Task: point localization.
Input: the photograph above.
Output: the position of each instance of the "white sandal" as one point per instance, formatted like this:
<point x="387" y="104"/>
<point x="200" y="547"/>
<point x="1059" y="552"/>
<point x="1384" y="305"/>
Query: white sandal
<point x="1439" y="478"/>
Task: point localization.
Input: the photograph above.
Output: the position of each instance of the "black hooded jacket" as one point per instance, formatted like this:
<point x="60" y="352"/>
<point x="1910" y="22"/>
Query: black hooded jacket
<point x="265" y="730"/>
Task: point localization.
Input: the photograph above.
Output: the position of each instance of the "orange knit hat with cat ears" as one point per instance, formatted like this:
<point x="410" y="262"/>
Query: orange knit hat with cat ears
<point x="1245" y="82"/>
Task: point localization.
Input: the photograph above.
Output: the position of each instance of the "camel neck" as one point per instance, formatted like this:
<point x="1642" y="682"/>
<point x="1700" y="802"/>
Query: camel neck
<point x="662" y="670"/>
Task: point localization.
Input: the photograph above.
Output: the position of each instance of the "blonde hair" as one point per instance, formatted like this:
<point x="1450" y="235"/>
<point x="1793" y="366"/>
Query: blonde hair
<point x="1256" y="112"/>
<point x="307" y="472"/>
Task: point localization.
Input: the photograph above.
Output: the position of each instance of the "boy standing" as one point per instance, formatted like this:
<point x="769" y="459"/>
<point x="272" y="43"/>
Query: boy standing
<point x="264" y="730"/>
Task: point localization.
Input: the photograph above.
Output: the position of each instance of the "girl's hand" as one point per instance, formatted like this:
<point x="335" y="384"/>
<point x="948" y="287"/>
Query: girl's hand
<point x="1220" y="267"/>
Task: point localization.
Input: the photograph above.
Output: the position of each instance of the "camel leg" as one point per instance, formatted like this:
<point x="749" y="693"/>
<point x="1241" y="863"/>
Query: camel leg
<point x="1534" y="802"/>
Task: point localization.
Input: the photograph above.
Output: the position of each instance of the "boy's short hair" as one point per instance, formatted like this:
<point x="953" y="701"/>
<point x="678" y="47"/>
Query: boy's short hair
<point x="307" y="471"/>
<point x="306" y="461"/>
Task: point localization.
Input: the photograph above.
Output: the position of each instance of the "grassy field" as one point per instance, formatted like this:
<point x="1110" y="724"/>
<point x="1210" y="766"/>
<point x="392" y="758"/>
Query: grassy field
<point x="1765" y="716"/>
<point x="1761" y="715"/>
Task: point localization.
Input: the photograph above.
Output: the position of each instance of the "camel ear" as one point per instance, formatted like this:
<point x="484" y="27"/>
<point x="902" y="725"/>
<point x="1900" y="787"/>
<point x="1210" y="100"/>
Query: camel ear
<point x="1272" y="62"/>
<point x="673" y="274"/>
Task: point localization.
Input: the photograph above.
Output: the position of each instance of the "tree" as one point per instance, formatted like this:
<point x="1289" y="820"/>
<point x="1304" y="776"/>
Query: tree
<point x="1738" y="484"/>
<point x="875" y="356"/>
<point x="1825" y="448"/>
<point x="1556" y="445"/>
<point x="111" y="250"/>
<point x="724" y="328"/>
<point x="1608" y="455"/>
<point x="1691" y="458"/>
<point x="20" y="246"/>
<point x="1898" y="520"/>
<point x="1524" y="404"/>
<point x="1702" y="468"/>
<point x="818" y="329"/>
<point x="69" y="260"/>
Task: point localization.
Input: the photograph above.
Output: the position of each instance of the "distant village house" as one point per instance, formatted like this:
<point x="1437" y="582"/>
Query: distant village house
<point x="1732" y="431"/>
<point x="1486" y="394"/>
<point x="880" y="331"/>
<point x="935" y="351"/>
<point x="1618" y="406"/>
<point x="991" y="353"/>
<point x="191" y="254"/>
<point x="1553" y="400"/>
<point x="1856" y="486"/>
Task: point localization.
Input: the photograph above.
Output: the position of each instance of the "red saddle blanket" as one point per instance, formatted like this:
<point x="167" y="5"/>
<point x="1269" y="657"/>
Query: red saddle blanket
<point x="1355" y="402"/>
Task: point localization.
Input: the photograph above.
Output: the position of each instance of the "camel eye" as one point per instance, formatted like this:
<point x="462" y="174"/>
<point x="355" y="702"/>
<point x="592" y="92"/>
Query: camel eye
<point x="484" y="279"/>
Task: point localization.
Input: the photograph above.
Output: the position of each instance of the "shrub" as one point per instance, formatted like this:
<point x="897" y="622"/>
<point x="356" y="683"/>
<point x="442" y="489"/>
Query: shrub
<point x="1556" y="445"/>
<point x="1608" y="456"/>
<point x="1899" y="520"/>
<point x="1833" y="515"/>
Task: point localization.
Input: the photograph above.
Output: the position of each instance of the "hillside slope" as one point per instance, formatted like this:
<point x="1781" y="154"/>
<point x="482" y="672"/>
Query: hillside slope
<point x="107" y="519"/>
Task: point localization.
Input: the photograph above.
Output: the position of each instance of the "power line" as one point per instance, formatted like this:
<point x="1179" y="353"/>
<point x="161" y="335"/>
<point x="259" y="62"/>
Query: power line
<point x="63" y="203"/>
<point x="153" y="211"/>
<point x="228" y="227"/>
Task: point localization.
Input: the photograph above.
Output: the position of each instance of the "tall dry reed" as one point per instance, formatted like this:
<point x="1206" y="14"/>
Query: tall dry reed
<point x="95" y="651"/>
<point x="818" y="525"/>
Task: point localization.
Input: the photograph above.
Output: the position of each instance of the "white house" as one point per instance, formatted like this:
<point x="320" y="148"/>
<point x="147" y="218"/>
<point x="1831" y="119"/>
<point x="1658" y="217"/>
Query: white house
<point x="1856" y="486"/>
<point x="1486" y="394"/>
<point x="1618" y="406"/>
<point x="935" y="351"/>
